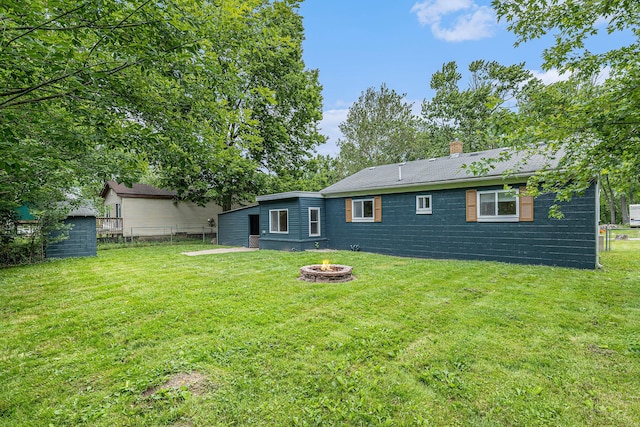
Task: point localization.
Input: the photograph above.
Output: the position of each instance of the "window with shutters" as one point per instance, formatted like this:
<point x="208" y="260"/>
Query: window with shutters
<point x="362" y="210"/>
<point x="498" y="206"/>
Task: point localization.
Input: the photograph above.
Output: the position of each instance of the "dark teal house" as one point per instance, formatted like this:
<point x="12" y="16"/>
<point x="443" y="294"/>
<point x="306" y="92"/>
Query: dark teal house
<point x="293" y="221"/>
<point x="432" y="209"/>
<point x="240" y="227"/>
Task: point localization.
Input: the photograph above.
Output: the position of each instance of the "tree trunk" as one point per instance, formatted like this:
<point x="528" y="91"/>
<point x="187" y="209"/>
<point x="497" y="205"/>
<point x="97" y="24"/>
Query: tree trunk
<point x="611" y="200"/>
<point x="624" y="208"/>
<point x="226" y="202"/>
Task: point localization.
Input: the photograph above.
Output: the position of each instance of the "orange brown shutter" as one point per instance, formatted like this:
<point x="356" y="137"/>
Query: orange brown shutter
<point x="472" y="202"/>
<point x="526" y="206"/>
<point x="377" y="209"/>
<point x="347" y="207"/>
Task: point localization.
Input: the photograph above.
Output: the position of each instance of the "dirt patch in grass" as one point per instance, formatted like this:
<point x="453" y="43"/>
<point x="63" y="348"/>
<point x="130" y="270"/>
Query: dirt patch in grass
<point x="194" y="381"/>
<point x="601" y="350"/>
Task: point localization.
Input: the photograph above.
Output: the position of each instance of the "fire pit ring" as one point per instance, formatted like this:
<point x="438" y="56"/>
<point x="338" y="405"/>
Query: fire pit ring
<point x="326" y="273"/>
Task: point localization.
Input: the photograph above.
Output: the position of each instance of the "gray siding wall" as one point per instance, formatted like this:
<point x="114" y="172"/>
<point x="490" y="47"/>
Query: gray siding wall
<point x="298" y="236"/>
<point x="569" y="242"/>
<point x="81" y="242"/>
<point x="233" y="226"/>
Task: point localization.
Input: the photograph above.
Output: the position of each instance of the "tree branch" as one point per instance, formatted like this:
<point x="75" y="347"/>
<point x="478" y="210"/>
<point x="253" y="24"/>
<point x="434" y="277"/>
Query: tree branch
<point x="78" y="27"/>
<point x="11" y="92"/>
<point x="31" y="89"/>
<point x="45" y="23"/>
<point x="18" y="93"/>
<point x="8" y="103"/>
<point x="117" y="26"/>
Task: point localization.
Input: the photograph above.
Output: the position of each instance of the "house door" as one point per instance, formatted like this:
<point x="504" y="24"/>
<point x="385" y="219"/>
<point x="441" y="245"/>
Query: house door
<point x="254" y="231"/>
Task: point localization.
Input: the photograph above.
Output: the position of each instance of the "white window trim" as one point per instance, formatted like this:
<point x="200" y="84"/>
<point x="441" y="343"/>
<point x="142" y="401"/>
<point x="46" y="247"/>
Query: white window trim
<point x="499" y="218"/>
<point x="354" y="218"/>
<point x="423" y="211"/>
<point x="271" y="221"/>
<point x="319" y="229"/>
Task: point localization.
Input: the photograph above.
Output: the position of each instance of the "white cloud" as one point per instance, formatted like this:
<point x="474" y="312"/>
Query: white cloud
<point x="551" y="76"/>
<point x="604" y="74"/>
<point x="602" y="21"/>
<point x="331" y="119"/>
<point x="416" y="105"/>
<point x="431" y="11"/>
<point x="465" y="19"/>
<point x="554" y="76"/>
<point x="341" y="104"/>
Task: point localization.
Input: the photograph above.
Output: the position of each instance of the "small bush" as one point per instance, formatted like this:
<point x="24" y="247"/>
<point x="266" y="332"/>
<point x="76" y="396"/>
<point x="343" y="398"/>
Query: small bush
<point x="20" y="251"/>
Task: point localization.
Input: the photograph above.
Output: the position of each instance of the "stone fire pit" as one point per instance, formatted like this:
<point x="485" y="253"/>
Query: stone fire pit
<point x="326" y="273"/>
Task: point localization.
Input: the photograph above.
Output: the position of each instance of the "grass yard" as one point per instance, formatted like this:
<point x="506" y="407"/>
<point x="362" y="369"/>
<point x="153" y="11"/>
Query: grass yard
<point x="145" y="336"/>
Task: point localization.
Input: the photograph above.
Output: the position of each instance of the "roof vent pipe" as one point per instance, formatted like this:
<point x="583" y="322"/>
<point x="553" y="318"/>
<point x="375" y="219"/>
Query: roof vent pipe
<point x="400" y="170"/>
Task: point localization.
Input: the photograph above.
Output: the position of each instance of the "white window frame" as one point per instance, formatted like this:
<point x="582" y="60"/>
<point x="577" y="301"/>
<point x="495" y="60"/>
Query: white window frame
<point x="363" y="218"/>
<point x="423" y="211"/>
<point x="499" y="218"/>
<point x="311" y="222"/>
<point x="279" y="226"/>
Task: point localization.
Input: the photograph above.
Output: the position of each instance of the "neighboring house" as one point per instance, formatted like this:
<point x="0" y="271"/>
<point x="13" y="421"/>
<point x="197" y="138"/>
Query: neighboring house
<point x="81" y="241"/>
<point x="144" y="210"/>
<point x="26" y="223"/>
<point x="433" y="209"/>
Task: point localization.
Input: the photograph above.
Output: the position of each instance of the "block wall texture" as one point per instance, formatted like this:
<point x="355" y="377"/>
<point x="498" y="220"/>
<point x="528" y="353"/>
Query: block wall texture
<point x="233" y="226"/>
<point x="81" y="242"/>
<point x="567" y="242"/>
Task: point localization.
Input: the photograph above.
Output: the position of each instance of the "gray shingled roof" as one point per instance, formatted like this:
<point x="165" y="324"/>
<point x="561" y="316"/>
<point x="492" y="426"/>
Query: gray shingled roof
<point x="84" y="210"/>
<point x="440" y="171"/>
<point x="288" y="195"/>
<point x="137" y="190"/>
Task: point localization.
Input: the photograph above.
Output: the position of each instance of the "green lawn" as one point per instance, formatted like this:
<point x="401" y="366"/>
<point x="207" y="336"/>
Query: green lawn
<point x="410" y="342"/>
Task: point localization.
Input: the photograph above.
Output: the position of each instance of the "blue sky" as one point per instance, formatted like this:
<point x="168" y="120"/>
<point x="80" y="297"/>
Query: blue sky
<point x="357" y="44"/>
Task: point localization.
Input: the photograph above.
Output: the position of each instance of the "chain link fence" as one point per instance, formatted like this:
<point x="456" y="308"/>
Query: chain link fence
<point x="609" y="234"/>
<point x="166" y="233"/>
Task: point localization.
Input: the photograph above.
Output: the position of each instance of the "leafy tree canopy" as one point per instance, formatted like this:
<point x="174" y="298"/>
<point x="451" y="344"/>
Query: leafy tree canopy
<point x="574" y="23"/>
<point x="380" y="128"/>
<point x="597" y="126"/>
<point x="471" y="115"/>
<point x="194" y="89"/>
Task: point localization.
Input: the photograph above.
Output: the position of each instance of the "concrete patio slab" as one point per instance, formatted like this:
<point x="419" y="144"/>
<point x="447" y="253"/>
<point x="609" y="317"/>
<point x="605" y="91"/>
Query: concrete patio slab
<point x="219" y="251"/>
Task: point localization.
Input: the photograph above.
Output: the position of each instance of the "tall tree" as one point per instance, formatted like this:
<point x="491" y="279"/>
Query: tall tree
<point x="57" y="109"/>
<point x="319" y="172"/>
<point x="380" y="128"/>
<point x="598" y="127"/>
<point x="471" y="115"/>
<point x="265" y="110"/>
<point x="102" y="89"/>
